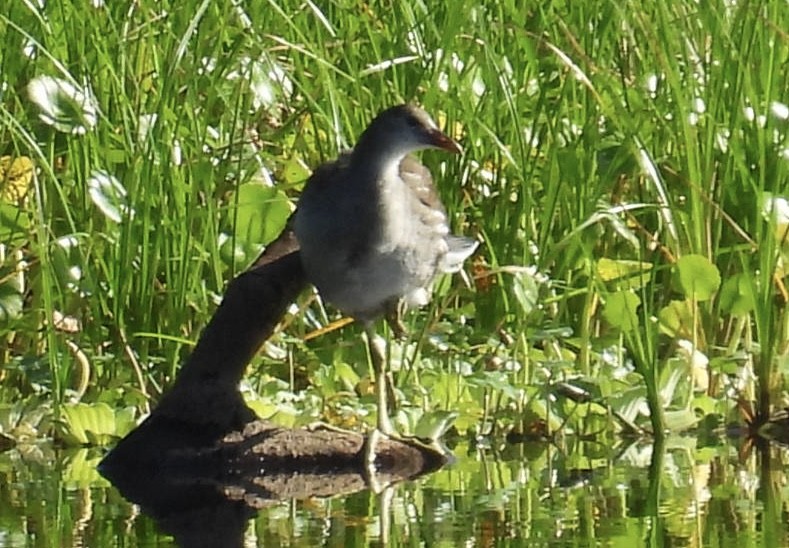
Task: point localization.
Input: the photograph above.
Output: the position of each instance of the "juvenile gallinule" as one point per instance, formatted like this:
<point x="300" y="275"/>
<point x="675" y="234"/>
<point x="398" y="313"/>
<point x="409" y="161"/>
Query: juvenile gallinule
<point x="373" y="232"/>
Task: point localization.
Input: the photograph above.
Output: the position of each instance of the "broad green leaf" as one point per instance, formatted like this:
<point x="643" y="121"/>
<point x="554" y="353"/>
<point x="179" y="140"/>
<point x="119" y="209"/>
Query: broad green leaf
<point x="88" y="423"/>
<point x="261" y="214"/>
<point x="109" y="196"/>
<point x="706" y="404"/>
<point x="63" y="105"/>
<point x="265" y="409"/>
<point x="725" y="365"/>
<point x="495" y="380"/>
<point x="698" y="278"/>
<point x="736" y="295"/>
<point x="674" y="378"/>
<point x="346" y="375"/>
<point x="295" y="170"/>
<point x="629" y="402"/>
<point x="676" y="319"/>
<point x="232" y="252"/>
<point x="621" y="310"/>
<point x="626" y="274"/>
<point x="81" y="469"/>
<point x="537" y="408"/>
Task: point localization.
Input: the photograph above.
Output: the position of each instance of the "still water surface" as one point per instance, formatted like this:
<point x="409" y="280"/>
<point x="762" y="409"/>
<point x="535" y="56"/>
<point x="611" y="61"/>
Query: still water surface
<point x="579" y="494"/>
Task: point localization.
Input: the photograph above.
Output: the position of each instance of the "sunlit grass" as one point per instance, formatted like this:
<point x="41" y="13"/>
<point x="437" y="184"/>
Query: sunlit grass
<point x="627" y="131"/>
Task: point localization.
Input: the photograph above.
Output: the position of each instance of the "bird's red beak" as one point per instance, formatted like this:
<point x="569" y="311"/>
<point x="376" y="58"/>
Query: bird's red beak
<point x="442" y="141"/>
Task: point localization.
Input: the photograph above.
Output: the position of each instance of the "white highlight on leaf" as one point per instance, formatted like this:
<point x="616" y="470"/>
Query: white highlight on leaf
<point x="63" y="105"/>
<point x="779" y="110"/>
<point x="109" y="196"/>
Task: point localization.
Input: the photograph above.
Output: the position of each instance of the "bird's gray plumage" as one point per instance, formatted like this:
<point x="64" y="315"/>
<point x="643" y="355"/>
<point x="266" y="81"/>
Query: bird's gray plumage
<point x="370" y="225"/>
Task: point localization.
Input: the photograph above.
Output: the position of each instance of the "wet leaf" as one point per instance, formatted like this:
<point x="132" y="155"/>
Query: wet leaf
<point x="678" y="421"/>
<point x="63" y="105"/>
<point x="434" y="424"/>
<point x="295" y="170"/>
<point x="81" y="469"/>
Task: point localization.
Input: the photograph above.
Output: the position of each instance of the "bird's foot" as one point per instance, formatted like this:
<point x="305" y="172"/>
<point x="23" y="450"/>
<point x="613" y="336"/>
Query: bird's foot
<point x="371" y="443"/>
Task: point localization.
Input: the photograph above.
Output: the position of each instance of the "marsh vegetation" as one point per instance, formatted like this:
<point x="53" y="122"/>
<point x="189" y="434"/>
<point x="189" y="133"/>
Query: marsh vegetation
<point x="625" y="171"/>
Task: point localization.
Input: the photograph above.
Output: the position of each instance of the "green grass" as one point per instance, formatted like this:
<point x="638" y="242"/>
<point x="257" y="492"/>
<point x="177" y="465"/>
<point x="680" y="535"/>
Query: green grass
<point x="603" y="130"/>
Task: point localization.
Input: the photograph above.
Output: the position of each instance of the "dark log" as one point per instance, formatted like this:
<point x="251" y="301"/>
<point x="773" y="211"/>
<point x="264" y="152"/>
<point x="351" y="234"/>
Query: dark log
<point x="203" y="451"/>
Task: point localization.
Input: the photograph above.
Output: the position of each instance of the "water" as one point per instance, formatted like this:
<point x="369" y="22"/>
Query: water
<point x="583" y="494"/>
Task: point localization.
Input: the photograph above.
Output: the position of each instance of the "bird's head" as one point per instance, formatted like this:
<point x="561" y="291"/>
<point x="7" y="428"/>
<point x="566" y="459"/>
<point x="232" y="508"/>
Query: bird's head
<point x="402" y="129"/>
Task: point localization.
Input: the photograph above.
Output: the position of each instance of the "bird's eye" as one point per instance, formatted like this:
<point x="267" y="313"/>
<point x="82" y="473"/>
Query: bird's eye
<point x="413" y="122"/>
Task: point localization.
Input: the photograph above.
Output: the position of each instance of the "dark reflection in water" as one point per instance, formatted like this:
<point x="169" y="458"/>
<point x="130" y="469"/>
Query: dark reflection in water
<point x="584" y="495"/>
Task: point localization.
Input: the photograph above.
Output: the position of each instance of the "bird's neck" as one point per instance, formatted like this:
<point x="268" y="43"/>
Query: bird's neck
<point x="378" y="167"/>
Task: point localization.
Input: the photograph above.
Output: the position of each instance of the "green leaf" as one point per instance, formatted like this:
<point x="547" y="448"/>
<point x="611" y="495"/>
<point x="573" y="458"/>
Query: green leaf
<point x="88" y="424"/>
<point x="295" y="170"/>
<point x="496" y="381"/>
<point x="698" y="278"/>
<point x="621" y="310"/>
<point x="678" y="421"/>
<point x="260" y="215"/>
<point x="526" y="291"/>
<point x="109" y="196"/>
<point x="10" y="300"/>
<point x="736" y="297"/>
<point x="625" y="274"/>
<point x="80" y="469"/>
<point x="676" y="319"/>
<point x="346" y="375"/>
<point x="433" y="424"/>
<point x="14" y="224"/>
<point x="705" y="404"/>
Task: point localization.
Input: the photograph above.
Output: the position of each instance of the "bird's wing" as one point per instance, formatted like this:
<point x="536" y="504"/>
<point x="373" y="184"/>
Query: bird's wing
<point x="417" y="177"/>
<point x="343" y="239"/>
<point x="328" y="172"/>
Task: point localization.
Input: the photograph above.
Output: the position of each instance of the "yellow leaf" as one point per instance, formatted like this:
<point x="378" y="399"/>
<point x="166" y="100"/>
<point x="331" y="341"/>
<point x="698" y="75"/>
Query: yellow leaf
<point x="16" y="176"/>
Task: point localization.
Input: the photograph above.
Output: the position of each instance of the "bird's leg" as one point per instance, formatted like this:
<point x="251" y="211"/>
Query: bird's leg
<point x="393" y="314"/>
<point x="384" y="386"/>
<point x="377" y="348"/>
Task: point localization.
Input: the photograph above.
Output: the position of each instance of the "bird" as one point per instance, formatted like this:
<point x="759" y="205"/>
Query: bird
<point x="373" y="233"/>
